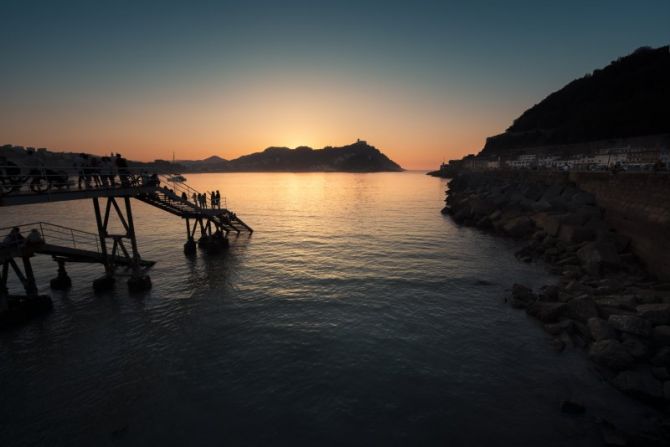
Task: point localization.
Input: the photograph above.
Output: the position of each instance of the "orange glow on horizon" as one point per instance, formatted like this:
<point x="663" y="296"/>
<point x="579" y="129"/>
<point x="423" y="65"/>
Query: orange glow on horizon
<point x="412" y="127"/>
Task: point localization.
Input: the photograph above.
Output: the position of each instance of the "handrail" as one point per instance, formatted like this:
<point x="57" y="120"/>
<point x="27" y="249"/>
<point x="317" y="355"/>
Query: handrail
<point x="48" y="231"/>
<point x="41" y="179"/>
<point x="183" y="187"/>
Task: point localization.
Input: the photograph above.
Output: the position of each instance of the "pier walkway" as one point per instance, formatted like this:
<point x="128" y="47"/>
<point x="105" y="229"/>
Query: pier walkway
<point x="110" y="194"/>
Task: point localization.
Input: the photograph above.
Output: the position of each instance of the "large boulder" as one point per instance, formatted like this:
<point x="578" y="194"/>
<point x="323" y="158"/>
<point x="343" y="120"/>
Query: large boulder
<point x="662" y="357"/>
<point x="640" y="384"/>
<point x="548" y="223"/>
<point x="658" y="314"/>
<point x="582" y="308"/>
<point x="661" y="335"/>
<point x="635" y="345"/>
<point x="611" y="354"/>
<point x="630" y="324"/>
<point x="522" y="296"/>
<point x="546" y="312"/>
<point x="600" y="330"/>
<point x="625" y="302"/>
<point x="597" y="256"/>
<point x="481" y="207"/>
<point x="518" y="227"/>
<point x="540" y="205"/>
<point x="583" y="198"/>
<point x="575" y="234"/>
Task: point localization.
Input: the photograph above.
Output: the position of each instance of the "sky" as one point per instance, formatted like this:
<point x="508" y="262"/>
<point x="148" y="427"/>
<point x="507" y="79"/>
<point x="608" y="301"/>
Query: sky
<point x="423" y="81"/>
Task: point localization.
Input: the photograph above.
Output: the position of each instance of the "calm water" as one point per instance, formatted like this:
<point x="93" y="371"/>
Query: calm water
<point x="355" y="314"/>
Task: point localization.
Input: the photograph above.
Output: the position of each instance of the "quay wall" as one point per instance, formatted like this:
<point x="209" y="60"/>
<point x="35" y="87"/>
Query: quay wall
<point x="636" y="205"/>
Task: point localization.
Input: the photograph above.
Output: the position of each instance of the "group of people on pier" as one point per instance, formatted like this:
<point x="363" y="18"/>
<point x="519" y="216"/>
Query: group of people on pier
<point x="101" y="172"/>
<point x="201" y="199"/>
<point x="15" y="238"/>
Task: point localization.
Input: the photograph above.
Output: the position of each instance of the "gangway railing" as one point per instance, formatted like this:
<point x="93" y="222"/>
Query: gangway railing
<point x="52" y="234"/>
<point x="181" y="187"/>
<point x="40" y="179"/>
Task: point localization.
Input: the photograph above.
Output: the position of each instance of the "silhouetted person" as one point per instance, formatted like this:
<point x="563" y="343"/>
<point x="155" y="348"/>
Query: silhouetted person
<point x="34" y="237"/>
<point x="122" y="168"/>
<point x="14" y="237"/>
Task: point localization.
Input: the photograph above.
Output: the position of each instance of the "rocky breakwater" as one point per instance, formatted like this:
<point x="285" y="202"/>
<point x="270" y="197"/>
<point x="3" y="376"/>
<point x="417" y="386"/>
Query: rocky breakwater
<point x="604" y="301"/>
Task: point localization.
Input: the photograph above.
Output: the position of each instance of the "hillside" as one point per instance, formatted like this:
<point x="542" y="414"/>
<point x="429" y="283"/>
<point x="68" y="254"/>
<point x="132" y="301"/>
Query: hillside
<point x="628" y="98"/>
<point x="357" y="157"/>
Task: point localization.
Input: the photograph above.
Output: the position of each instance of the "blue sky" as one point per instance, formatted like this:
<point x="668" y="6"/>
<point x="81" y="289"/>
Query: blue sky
<point x="422" y="80"/>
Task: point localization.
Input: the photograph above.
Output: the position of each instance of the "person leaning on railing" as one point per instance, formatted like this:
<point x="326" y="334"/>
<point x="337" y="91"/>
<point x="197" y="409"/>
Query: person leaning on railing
<point x="34" y="237"/>
<point x="13" y="238"/>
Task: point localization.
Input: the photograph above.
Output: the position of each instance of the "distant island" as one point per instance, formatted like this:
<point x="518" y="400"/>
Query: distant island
<point x="356" y="157"/>
<point x="617" y="114"/>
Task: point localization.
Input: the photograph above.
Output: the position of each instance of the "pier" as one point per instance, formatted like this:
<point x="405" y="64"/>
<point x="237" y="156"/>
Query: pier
<point x="117" y="253"/>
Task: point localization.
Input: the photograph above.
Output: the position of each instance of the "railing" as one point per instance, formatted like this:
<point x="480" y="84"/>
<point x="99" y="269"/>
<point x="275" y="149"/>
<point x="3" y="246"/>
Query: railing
<point x="16" y="179"/>
<point x="180" y="187"/>
<point x="51" y="234"/>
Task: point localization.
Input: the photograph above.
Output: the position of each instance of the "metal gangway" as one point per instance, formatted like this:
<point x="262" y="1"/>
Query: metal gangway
<point x="111" y="191"/>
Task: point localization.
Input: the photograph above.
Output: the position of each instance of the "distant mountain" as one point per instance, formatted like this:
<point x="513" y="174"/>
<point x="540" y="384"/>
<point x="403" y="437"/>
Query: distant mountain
<point x="628" y="98"/>
<point x="357" y="157"/>
<point x="212" y="164"/>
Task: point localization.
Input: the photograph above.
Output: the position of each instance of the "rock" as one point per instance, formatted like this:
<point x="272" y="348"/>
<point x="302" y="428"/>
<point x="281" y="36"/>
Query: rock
<point x="557" y="344"/>
<point x="582" y="329"/>
<point x="640" y="384"/>
<point x="600" y="330"/>
<point x="558" y="328"/>
<point x="661" y="373"/>
<point x="597" y="256"/>
<point x="575" y="234"/>
<point x="522" y="296"/>
<point x="583" y="198"/>
<point x="626" y="302"/>
<point x="661" y="335"/>
<point x="481" y="207"/>
<point x="630" y="324"/>
<point x="635" y="346"/>
<point x="518" y="227"/>
<point x="582" y="308"/>
<point x="571" y="407"/>
<point x="612" y="436"/>
<point x="541" y="205"/>
<point x="662" y="357"/>
<point x="548" y="223"/>
<point x="611" y="354"/>
<point x="622" y="242"/>
<point x="546" y="312"/>
<point x="549" y="293"/>
<point x="658" y="314"/>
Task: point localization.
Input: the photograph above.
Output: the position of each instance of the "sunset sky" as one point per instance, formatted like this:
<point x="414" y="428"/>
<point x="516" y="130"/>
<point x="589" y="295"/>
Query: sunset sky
<point x="422" y="81"/>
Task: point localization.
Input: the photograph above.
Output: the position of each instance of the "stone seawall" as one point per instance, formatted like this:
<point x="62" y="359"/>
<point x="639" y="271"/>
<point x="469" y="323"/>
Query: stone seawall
<point x="636" y="205"/>
<point x="602" y="234"/>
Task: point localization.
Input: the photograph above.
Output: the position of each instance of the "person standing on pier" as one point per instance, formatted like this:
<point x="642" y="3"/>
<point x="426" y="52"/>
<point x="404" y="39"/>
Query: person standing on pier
<point x="14" y="237"/>
<point x="80" y="165"/>
<point x="212" y="199"/>
<point x="218" y="199"/>
<point x="122" y="167"/>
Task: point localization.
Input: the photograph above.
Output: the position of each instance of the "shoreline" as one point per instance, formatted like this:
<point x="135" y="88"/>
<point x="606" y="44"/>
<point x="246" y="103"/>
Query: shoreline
<point x="605" y="301"/>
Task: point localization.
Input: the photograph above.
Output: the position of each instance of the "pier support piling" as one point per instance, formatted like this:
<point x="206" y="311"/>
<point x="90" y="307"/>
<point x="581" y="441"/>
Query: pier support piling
<point x="139" y="281"/>
<point x="62" y="281"/>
